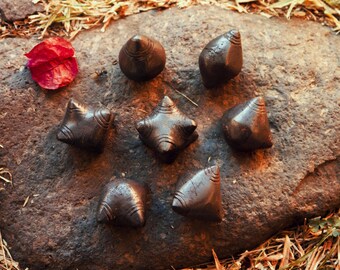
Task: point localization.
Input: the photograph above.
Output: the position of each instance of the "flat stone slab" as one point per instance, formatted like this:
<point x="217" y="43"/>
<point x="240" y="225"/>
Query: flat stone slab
<point x="14" y="10"/>
<point x="292" y="63"/>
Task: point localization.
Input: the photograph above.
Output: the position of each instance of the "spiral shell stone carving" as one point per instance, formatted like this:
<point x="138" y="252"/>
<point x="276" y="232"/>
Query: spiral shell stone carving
<point x="200" y="196"/>
<point x="221" y="59"/>
<point x="84" y="126"/>
<point x="122" y="203"/>
<point x="246" y="126"/>
<point x="142" y="58"/>
<point x="167" y="130"/>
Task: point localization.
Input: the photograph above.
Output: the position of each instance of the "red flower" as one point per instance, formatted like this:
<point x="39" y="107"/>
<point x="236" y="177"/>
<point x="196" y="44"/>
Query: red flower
<point x="52" y="63"/>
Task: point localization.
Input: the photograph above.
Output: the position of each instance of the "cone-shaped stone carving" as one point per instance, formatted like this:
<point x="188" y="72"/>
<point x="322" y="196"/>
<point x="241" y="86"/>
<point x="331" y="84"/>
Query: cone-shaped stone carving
<point x="84" y="126"/>
<point x="221" y="59"/>
<point x="200" y="196"/>
<point x="142" y="58"/>
<point x="167" y="130"/>
<point x="122" y="203"/>
<point x="246" y="126"/>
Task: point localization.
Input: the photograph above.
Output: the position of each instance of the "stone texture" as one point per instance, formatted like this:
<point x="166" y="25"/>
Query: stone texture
<point x="293" y="64"/>
<point x="14" y="10"/>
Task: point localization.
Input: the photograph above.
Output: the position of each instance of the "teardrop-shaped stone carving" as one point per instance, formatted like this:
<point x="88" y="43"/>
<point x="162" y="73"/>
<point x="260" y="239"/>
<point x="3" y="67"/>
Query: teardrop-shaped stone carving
<point x="167" y="130"/>
<point x="246" y="126"/>
<point x="221" y="59"/>
<point x="142" y="58"/>
<point x="85" y="126"/>
<point x="122" y="203"/>
<point x="200" y="196"/>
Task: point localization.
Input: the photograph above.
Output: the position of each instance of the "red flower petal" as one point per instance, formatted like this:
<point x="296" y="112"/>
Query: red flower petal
<point x="52" y="64"/>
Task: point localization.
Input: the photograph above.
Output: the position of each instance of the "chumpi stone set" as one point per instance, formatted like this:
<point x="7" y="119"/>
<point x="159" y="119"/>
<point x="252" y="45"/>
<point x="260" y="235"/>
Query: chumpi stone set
<point x="167" y="131"/>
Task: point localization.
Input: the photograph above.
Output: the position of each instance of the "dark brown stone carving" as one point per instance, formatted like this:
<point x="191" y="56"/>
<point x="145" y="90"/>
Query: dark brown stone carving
<point x="142" y="58"/>
<point x="167" y="130"/>
<point x="84" y="126"/>
<point x="123" y="204"/>
<point x="200" y="196"/>
<point x="246" y="126"/>
<point x="221" y="59"/>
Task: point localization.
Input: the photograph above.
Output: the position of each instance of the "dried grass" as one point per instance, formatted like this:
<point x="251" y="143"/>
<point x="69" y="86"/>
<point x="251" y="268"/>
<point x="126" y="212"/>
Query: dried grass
<point x="5" y="174"/>
<point x="6" y="260"/>
<point x="69" y="17"/>
<point x="77" y="15"/>
<point x="313" y="246"/>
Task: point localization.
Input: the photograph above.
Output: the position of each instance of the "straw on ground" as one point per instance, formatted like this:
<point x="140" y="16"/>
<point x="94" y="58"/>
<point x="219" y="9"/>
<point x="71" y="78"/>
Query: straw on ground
<point x="6" y="260"/>
<point x="5" y="174"/>
<point x="69" y="17"/>
<point x="315" y="245"/>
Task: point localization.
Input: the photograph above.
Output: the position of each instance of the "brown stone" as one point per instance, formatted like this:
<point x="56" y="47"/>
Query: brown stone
<point x="167" y="130"/>
<point x="200" y="196"/>
<point x="14" y="10"/>
<point x="290" y="63"/>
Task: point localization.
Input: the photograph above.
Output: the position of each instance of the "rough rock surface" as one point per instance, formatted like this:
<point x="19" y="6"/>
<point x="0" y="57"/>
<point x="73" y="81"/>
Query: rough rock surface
<point x="14" y="10"/>
<point x="293" y="64"/>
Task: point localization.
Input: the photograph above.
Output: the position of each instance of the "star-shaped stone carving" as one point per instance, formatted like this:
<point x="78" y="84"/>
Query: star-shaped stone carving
<point x="84" y="126"/>
<point x="200" y="196"/>
<point x="167" y="130"/>
<point x="122" y="203"/>
<point x="246" y="126"/>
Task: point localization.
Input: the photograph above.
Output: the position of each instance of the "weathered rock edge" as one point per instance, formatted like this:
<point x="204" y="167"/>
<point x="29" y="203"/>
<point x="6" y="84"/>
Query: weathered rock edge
<point x="15" y="10"/>
<point x="291" y="63"/>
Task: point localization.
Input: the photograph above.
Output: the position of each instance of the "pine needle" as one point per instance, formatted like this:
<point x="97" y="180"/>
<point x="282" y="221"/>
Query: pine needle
<point x="5" y="174"/>
<point x="193" y="102"/>
<point x="26" y="201"/>
<point x="286" y="252"/>
<point x="218" y="265"/>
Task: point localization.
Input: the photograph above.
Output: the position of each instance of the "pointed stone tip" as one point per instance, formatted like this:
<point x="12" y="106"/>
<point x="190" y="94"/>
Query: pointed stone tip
<point x="269" y="143"/>
<point x="190" y="127"/>
<point x="193" y="124"/>
<point x="101" y="217"/>
<point x="215" y="169"/>
<point x="72" y="103"/>
<point x="75" y="105"/>
<point x="142" y="128"/>
<point x="178" y="207"/>
<point x="259" y="100"/>
<point x="138" y="219"/>
<point x="139" y="125"/>
<point x="166" y="147"/>
<point x="62" y="137"/>
<point x="256" y="105"/>
<point x="137" y="43"/>
<point x="214" y="173"/>
<point x="176" y="204"/>
<point x="167" y="101"/>
<point x="235" y="33"/>
<point x="106" y="114"/>
<point x="137" y="38"/>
